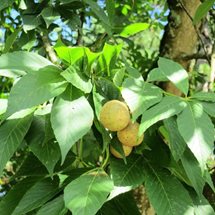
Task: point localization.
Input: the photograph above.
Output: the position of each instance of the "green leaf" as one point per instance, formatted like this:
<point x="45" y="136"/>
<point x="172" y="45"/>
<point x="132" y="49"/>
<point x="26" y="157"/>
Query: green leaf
<point x="13" y="197"/>
<point x="36" y="196"/>
<point x="139" y="96"/>
<point x="209" y="108"/>
<point x="100" y="14"/>
<point x="49" y="15"/>
<point x="21" y="60"/>
<point x="90" y="56"/>
<point x="110" y="6"/>
<point x="130" y="174"/>
<point x="10" y="40"/>
<point x="204" y="96"/>
<point x="12" y="133"/>
<point x="71" y="119"/>
<point x="107" y="90"/>
<point x="202" y="10"/>
<point x="3" y="106"/>
<point x="47" y="152"/>
<point x="29" y="163"/>
<point x="98" y="101"/>
<point x="156" y="75"/>
<point x="77" y="78"/>
<point x="42" y="86"/>
<point x="11" y="74"/>
<point x="54" y="207"/>
<point x="107" y="59"/>
<point x="201" y="205"/>
<point x="118" y="76"/>
<point x="176" y="142"/>
<point x="118" y="147"/>
<point x="177" y="170"/>
<point x="193" y="171"/>
<point x="169" y="106"/>
<point x="6" y="3"/>
<point x="166" y="193"/>
<point x="199" y="135"/>
<point x="175" y="73"/>
<point x="69" y="54"/>
<point x="30" y="22"/>
<point x="123" y="204"/>
<point x="93" y="189"/>
<point x="133" y="29"/>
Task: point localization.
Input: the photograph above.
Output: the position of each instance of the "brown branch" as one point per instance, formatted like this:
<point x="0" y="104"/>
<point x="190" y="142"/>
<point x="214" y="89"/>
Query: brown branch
<point x="195" y="56"/>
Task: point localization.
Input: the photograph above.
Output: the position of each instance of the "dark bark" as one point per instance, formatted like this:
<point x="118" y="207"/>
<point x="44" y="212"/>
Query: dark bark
<point x="180" y="37"/>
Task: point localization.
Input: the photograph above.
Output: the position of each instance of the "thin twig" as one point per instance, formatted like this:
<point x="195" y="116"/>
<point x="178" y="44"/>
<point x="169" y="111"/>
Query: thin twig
<point x="49" y="49"/>
<point x="197" y="31"/>
<point x="80" y="32"/>
<point x="195" y="56"/>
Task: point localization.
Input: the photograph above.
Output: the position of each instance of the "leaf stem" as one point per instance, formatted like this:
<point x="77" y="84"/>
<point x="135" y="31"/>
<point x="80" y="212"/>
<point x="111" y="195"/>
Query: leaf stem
<point x="107" y="158"/>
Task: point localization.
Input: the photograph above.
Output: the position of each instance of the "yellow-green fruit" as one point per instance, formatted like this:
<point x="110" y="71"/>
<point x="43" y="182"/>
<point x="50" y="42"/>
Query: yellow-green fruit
<point x="127" y="151"/>
<point x="129" y="135"/>
<point x="114" y="115"/>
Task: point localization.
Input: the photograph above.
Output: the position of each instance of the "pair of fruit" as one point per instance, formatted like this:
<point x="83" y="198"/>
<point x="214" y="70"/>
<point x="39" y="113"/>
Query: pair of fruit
<point x="115" y="116"/>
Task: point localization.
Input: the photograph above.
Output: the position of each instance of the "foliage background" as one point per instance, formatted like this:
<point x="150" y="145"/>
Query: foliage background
<point x="55" y="166"/>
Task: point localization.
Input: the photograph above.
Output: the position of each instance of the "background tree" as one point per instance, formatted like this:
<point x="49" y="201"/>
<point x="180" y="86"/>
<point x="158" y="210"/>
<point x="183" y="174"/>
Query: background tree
<point x="61" y="61"/>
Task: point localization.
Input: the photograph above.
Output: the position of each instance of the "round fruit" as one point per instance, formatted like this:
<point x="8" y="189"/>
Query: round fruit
<point x="114" y="115"/>
<point x="127" y="151"/>
<point x="129" y="135"/>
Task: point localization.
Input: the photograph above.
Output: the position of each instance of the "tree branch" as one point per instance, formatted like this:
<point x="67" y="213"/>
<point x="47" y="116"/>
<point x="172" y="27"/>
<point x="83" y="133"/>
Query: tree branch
<point x="50" y="51"/>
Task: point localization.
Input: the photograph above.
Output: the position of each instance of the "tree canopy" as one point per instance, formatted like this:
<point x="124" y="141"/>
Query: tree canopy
<point x="107" y="107"/>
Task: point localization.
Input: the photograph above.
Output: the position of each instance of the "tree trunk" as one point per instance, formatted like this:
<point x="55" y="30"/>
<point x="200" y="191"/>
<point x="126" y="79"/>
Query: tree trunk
<point x="180" y="38"/>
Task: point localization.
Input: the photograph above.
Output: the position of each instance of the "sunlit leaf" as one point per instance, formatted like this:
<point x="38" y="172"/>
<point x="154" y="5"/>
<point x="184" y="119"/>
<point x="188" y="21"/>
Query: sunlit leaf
<point x="156" y="75"/>
<point x="139" y="95"/>
<point x="71" y="119"/>
<point x="69" y="54"/>
<point x="199" y="135"/>
<point x="43" y="85"/>
<point x="93" y="189"/>
<point x="3" y="105"/>
<point x="169" y="106"/>
<point x="77" y="78"/>
<point x="201" y="205"/>
<point x="133" y="29"/>
<point x="22" y="60"/>
<point x="175" y="73"/>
